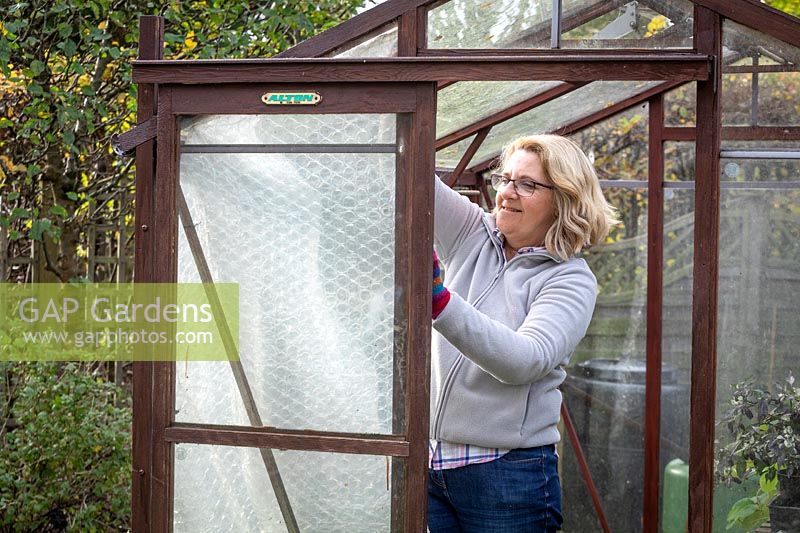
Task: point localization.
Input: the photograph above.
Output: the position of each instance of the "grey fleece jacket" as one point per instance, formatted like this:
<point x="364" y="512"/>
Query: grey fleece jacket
<point x="501" y="341"/>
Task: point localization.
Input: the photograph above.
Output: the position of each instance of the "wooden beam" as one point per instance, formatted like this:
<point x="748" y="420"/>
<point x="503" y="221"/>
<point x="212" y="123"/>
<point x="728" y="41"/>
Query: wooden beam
<point x="761" y="133"/>
<point x="151" y="38"/>
<point x="679" y="133"/>
<point x="245" y="98"/>
<point x="273" y="438"/>
<point x="708" y="39"/>
<point x="671" y="66"/>
<point x="757" y="16"/>
<point x="164" y="234"/>
<point x="655" y="267"/>
<point x="418" y="304"/>
<point x="747" y="69"/>
<point x="505" y="114"/>
<point x="739" y="133"/>
<point x="407" y="34"/>
<point x="422" y="27"/>
<point x="608" y="53"/>
<point x="467" y="157"/>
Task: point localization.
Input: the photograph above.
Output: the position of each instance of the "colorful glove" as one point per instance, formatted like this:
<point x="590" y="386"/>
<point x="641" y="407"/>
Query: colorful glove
<point x="440" y="293"/>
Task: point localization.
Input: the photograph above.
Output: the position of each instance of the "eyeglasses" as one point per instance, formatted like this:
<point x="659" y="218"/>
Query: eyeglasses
<point x="523" y="188"/>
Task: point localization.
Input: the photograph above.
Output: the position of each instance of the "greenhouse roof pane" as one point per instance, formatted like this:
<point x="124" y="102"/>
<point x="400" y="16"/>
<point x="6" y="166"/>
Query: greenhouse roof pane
<point x="379" y="43"/>
<point x="467" y="102"/>
<point x="740" y="41"/>
<point x="767" y="97"/>
<point x="643" y="24"/>
<point x="560" y="112"/>
<point x="495" y="23"/>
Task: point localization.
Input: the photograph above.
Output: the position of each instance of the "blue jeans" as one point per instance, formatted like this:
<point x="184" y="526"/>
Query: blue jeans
<point x="517" y="493"/>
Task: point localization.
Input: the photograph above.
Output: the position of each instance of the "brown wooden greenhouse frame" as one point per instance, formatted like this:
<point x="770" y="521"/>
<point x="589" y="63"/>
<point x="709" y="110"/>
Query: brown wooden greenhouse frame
<point x="153" y="429"/>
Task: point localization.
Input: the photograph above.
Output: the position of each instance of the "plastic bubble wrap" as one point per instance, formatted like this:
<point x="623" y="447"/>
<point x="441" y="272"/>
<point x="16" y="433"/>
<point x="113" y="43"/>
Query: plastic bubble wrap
<point x="310" y="240"/>
<point x="289" y="129"/>
<point x="223" y="489"/>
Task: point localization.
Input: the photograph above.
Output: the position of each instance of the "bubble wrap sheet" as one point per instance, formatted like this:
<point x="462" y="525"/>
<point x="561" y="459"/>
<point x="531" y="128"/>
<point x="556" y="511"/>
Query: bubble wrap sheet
<point x="310" y="240"/>
<point x="289" y="129"/>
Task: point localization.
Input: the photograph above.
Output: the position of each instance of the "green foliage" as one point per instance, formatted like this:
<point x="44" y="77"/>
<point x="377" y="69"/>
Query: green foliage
<point x="765" y="427"/>
<point x="792" y="7"/>
<point x="751" y="513"/>
<point x="67" y="461"/>
<point x="65" y="82"/>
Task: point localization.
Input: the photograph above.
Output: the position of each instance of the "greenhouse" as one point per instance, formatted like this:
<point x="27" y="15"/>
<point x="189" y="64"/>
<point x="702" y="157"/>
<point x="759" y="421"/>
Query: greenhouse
<point x="689" y="110"/>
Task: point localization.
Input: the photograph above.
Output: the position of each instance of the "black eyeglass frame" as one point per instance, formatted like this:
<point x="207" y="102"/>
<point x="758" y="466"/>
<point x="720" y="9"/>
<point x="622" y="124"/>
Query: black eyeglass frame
<point x="496" y="179"/>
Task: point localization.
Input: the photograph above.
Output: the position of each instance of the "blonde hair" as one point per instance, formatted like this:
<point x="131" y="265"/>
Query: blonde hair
<point x="583" y="218"/>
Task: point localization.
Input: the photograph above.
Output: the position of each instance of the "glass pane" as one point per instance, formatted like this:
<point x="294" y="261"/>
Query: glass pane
<point x="778" y="94"/>
<point x="676" y="354"/>
<point x="737" y="105"/>
<point x="633" y="25"/>
<point x="760" y="170"/>
<point x="758" y="320"/>
<point x="560" y="112"/>
<point x="761" y="79"/>
<point x="467" y="102"/>
<point x="680" y="105"/>
<point x="221" y="488"/>
<point x="496" y="24"/>
<point x="604" y="390"/>
<point x="741" y="42"/>
<point x="618" y="145"/>
<point x="309" y="237"/>
<point x="679" y="161"/>
<point x="774" y="102"/>
<point x="380" y="43"/>
<point x="288" y="129"/>
<point x="449" y="156"/>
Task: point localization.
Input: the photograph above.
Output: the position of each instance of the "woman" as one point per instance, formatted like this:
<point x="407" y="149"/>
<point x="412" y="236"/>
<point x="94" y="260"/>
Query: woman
<point x="513" y="306"/>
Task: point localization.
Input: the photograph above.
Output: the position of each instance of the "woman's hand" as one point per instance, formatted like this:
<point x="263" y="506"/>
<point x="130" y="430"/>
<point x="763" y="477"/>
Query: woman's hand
<point x="440" y="293"/>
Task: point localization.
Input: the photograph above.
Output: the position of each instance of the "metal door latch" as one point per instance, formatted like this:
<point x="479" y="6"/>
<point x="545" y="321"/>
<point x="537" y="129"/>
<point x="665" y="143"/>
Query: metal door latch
<point x="125" y="145"/>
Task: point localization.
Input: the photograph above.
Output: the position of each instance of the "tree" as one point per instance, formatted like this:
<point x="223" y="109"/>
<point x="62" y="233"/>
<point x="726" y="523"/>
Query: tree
<point x="65" y="80"/>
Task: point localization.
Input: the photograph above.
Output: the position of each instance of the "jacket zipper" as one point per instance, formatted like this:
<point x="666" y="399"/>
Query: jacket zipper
<point x="437" y="421"/>
<point x="457" y="364"/>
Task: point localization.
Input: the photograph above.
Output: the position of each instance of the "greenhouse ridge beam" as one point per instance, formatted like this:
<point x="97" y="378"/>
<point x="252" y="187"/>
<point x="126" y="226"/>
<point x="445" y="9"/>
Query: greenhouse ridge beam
<point x="676" y="66"/>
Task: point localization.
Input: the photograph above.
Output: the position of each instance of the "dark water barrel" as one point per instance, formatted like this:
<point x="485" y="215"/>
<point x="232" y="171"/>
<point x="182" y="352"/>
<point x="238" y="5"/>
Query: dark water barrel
<point x="606" y="401"/>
